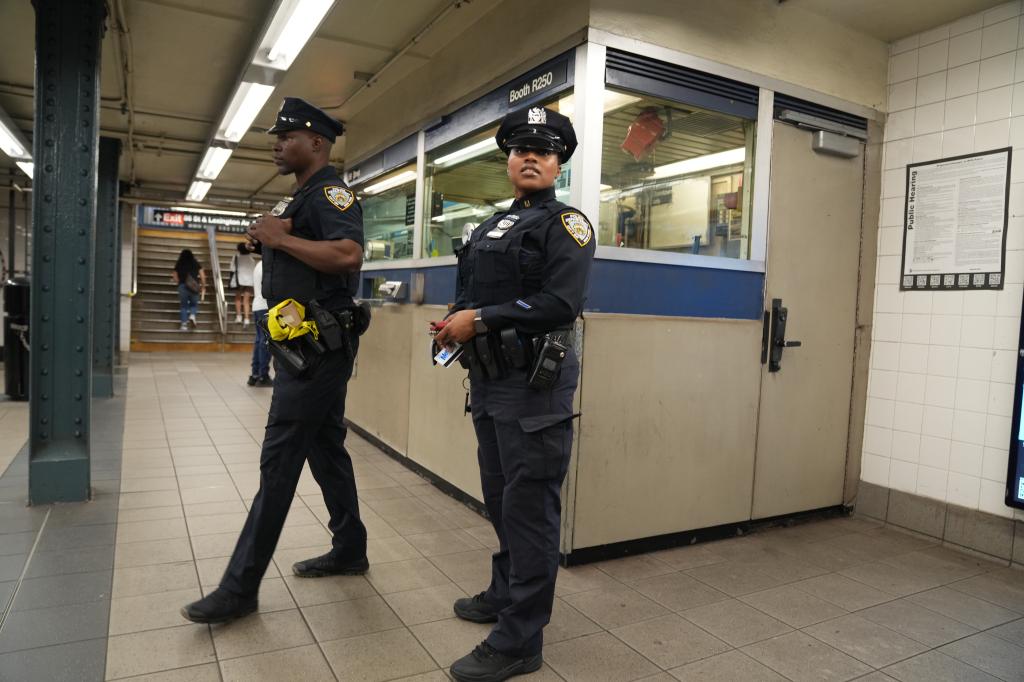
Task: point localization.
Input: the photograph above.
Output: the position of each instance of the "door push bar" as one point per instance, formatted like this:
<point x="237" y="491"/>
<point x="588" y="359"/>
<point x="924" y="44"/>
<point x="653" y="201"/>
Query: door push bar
<point x="773" y="336"/>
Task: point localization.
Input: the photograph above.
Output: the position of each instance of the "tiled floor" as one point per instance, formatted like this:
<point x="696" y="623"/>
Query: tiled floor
<point x="831" y="600"/>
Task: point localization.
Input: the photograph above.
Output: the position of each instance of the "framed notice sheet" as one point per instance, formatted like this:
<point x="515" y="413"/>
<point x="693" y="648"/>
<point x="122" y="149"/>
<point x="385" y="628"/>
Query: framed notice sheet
<point x="954" y="226"/>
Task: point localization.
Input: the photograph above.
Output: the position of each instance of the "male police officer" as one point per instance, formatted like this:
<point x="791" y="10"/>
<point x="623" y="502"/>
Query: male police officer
<point x="312" y="245"/>
<point x="522" y="280"/>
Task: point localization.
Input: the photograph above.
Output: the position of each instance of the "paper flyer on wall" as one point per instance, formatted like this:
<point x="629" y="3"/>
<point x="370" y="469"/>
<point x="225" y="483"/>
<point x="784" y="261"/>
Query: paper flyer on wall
<point x="954" y="230"/>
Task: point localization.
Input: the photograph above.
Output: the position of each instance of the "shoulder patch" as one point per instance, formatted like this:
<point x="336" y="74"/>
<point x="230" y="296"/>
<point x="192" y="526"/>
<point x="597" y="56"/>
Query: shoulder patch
<point x="578" y="227"/>
<point x="339" y="196"/>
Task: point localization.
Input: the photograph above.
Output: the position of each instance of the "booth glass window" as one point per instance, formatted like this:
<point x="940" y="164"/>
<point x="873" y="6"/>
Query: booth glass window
<point x="466" y="183"/>
<point x="389" y="207"/>
<point x="675" y="177"/>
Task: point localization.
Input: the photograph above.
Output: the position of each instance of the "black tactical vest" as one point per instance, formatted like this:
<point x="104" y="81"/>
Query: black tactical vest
<point x="504" y="259"/>
<point x="285" y="276"/>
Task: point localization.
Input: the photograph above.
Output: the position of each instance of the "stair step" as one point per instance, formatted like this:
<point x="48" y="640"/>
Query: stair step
<point x="155" y="306"/>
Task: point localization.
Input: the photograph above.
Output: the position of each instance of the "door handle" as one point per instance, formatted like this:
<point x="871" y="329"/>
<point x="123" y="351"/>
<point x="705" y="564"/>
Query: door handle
<point x="773" y="341"/>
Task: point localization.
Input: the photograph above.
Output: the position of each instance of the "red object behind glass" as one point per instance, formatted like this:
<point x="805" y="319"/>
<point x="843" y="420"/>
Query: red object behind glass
<point x="643" y="134"/>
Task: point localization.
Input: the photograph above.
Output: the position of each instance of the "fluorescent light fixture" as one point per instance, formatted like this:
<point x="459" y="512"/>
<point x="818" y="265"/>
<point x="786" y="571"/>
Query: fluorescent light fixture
<point x="471" y="152"/>
<point x="213" y="162"/>
<point x="11" y="145"/>
<point x="699" y="163"/>
<point x="293" y="25"/>
<point x="464" y="212"/>
<point x="400" y="179"/>
<point x="246" y="104"/>
<point x="197" y="191"/>
<point x="612" y="100"/>
<point x="616" y="100"/>
<point x="27" y="166"/>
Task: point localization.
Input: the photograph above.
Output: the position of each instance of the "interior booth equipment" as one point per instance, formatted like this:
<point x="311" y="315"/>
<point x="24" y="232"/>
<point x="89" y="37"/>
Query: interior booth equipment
<point x="717" y="344"/>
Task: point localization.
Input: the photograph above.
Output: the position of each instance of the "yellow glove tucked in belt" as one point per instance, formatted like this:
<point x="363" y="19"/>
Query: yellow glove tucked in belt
<point x="286" y="321"/>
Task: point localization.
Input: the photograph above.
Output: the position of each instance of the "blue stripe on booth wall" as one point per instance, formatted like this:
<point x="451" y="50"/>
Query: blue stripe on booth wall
<point x="675" y="290"/>
<point x="629" y="288"/>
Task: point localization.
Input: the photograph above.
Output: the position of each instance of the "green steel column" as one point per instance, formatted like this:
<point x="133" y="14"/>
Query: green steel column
<point x="105" y="285"/>
<point x="65" y="145"/>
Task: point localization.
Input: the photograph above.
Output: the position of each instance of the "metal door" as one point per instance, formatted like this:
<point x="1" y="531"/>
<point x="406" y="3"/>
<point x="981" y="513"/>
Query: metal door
<point x="813" y="258"/>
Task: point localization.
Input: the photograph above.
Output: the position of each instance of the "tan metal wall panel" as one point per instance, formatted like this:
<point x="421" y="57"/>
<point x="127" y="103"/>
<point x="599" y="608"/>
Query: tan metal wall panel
<point x="441" y="435"/>
<point x="668" y="427"/>
<point x="378" y="394"/>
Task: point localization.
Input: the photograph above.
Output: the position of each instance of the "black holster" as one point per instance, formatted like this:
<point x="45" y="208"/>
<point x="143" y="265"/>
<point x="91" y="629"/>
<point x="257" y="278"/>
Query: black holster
<point x="299" y="357"/>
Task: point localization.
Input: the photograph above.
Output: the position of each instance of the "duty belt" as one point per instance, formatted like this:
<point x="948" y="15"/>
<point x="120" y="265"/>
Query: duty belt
<point x="494" y="354"/>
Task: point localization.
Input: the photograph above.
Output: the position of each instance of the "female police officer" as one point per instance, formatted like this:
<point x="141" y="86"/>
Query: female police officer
<point x="521" y="284"/>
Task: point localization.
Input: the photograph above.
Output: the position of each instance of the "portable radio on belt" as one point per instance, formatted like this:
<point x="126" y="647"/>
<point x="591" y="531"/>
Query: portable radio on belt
<point x="546" y="365"/>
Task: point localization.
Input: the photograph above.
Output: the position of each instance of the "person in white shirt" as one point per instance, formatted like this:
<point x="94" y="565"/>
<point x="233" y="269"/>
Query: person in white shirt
<point x="260" y="352"/>
<point x="242" y="266"/>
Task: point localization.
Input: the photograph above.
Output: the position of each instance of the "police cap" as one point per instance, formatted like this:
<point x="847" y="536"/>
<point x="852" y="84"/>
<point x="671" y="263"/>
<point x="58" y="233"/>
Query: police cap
<point x="298" y="114"/>
<point x="537" y="128"/>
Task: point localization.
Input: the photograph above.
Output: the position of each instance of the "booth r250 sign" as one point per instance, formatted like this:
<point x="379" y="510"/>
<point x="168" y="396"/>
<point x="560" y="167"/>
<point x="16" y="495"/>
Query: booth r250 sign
<point x="536" y="82"/>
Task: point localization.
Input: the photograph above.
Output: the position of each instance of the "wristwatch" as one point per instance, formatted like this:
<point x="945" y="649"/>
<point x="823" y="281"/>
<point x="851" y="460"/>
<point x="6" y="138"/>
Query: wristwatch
<point x="478" y="323"/>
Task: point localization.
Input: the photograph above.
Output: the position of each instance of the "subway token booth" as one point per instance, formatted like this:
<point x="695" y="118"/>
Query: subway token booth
<point x="719" y="344"/>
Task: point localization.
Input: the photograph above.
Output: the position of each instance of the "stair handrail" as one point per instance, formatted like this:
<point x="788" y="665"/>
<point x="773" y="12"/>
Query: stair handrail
<point x="218" y="283"/>
<point x="135" y="255"/>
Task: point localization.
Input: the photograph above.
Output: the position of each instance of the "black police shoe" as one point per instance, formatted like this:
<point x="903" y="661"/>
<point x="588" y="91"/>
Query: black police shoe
<point x="329" y="564"/>
<point x="251" y="381"/>
<point x="476" y="609"/>
<point x="220" y="606"/>
<point x="487" y="664"/>
<point x="264" y="381"/>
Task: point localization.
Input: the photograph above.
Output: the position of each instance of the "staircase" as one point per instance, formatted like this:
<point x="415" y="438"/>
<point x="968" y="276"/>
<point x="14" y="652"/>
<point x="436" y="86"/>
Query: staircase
<point x="155" y="321"/>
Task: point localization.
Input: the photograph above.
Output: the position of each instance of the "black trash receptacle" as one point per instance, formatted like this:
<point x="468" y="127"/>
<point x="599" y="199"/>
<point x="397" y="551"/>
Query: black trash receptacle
<point x="16" y="313"/>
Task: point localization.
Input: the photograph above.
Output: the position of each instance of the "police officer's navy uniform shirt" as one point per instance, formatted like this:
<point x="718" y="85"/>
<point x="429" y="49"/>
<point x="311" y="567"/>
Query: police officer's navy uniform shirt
<point x="323" y="209"/>
<point x="528" y="267"/>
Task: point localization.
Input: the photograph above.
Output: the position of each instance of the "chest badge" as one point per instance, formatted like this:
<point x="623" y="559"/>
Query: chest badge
<point x="281" y="206"/>
<point x="503" y="226"/>
<point x="340" y="197"/>
<point x="578" y="227"/>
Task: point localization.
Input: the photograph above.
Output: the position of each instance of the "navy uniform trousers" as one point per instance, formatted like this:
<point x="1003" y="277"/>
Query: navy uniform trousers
<point x="305" y="421"/>
<point x="524" y="442"/>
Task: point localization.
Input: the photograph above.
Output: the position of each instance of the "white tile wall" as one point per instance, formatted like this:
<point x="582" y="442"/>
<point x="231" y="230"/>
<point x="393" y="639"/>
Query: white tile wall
<point x="940" y="391"/>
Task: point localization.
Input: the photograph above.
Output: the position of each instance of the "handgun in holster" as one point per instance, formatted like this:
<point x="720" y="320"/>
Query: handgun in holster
<point x="486" y="357"/>
<point x="516" y="351"/>
<point x="332" y="335"/>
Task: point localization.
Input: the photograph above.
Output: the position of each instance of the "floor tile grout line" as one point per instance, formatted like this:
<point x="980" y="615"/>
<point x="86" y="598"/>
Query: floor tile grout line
<point x="238" y="492"/>
<point x="928" y="647"/>
<point x="654" y="663"/>
<point x="291" y="593"/>
<point x="24" y="569"/>
<point x="10" y="463"/>
<point x="633" y="588"/>
<point x="798" y="629"/>
<point x="195" y="565"/>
